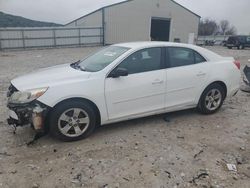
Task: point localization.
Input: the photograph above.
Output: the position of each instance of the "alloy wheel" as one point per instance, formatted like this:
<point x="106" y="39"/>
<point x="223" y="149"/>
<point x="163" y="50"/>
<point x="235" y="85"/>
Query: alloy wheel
<point x="73" y="122"/>
<point x="213" y="99"/>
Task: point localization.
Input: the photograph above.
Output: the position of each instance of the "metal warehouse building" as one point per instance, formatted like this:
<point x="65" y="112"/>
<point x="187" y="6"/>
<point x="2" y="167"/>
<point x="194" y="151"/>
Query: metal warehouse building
<point x="143" y="20"/>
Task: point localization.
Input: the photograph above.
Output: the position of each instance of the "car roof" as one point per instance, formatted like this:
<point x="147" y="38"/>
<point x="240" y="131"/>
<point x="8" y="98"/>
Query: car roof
<point x="148" y="44"/>
<point x="209" y="55"/>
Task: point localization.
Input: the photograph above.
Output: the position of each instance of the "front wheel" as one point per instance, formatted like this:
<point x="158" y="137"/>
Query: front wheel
<point x="72" y="120"/>
<point x="212" y="99"/>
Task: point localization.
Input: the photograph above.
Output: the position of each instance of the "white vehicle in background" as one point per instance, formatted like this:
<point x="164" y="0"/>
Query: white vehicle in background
<point x="122" y="82"/>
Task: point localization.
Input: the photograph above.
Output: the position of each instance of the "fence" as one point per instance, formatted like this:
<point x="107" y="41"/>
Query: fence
<point x="217" y="39"/>
<point x="16" y="38"/>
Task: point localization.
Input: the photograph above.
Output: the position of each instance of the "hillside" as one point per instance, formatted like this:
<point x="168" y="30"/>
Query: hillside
<point x="8" y="20"/>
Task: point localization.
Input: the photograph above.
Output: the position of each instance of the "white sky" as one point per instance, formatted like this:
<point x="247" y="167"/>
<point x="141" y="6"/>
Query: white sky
<point x="64" y="11"/>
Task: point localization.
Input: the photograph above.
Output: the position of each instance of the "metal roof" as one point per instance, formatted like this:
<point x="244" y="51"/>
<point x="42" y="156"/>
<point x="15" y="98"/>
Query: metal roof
<point x="126" y="2"/>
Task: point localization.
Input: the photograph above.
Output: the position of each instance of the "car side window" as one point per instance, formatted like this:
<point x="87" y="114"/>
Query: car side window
<point x="180" y="56"/>
<point x="143" y="61"/>
<point x="199" y="58"/>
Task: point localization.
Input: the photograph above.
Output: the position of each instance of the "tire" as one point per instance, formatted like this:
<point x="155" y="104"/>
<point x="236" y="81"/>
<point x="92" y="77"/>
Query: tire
<point x="72" y="120"/>
<point x="212" y="99"/>
<point x="229" y="47"/>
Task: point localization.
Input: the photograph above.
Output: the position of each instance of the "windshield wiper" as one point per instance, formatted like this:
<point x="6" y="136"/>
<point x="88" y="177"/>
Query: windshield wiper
<point x="77" y="66"/>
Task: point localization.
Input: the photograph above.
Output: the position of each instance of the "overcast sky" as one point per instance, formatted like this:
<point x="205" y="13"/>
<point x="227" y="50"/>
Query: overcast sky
<point x="64" y="11"/>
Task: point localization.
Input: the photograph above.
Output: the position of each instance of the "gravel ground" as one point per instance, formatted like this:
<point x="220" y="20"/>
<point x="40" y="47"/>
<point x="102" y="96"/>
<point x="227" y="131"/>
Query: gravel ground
<point x="187" y="150"/>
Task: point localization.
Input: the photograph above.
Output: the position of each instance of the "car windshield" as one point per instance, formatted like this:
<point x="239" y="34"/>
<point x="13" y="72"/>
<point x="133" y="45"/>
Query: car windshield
<point x="102" y="59"/>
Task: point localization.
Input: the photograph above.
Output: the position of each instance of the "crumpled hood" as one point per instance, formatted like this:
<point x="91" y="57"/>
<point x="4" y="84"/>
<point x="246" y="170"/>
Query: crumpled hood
<point x="48" y="77"/>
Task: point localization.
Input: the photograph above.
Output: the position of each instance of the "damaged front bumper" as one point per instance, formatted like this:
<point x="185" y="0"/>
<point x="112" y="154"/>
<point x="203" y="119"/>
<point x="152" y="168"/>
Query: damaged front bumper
<point x="33" y="113"/>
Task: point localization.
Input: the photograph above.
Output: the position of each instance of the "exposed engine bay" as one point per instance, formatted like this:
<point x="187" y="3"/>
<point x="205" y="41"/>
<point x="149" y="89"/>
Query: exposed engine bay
<point x="25" y="113"/>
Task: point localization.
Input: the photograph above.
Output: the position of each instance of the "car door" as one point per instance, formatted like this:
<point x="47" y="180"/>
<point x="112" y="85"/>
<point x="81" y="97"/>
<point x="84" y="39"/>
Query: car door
<point x="142" y="90"/>
<point x="186" y="75"/>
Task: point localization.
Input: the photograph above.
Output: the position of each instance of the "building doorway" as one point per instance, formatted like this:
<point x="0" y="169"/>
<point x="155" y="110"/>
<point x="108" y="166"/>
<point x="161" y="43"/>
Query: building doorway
<point x="160" y="29"/>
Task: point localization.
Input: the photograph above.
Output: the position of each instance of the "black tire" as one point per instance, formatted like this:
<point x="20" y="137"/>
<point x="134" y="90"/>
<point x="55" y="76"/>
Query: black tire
<point x="229" y="47"/>
<point x="61" y="109"/>
<point x="202" y="106"/>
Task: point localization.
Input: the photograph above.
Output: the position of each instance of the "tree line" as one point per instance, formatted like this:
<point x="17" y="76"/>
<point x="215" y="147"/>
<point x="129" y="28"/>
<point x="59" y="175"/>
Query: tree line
<point x="211" y="27"/>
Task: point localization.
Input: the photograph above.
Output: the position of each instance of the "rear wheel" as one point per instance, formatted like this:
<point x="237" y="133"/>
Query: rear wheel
<point x="212" y="99"/>
<point x="241" y="47"/>
<point x="72" y="120"/>
<point x="229" y="47"/>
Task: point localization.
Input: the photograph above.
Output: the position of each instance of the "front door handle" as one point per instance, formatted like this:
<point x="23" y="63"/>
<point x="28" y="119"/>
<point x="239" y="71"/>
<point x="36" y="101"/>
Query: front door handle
<point x="157" y="82"/>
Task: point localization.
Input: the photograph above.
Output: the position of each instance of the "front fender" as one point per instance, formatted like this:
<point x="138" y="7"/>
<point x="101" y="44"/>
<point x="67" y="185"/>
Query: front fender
<point x="93" y="92"/>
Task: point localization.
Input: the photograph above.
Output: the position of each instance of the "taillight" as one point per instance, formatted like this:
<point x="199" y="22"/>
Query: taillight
<point x="237" y="63"/>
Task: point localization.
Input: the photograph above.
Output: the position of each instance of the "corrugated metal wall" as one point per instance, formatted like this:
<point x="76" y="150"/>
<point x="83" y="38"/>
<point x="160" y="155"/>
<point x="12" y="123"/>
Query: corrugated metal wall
<point x="49" y="37"/>
<point x="128" y="22"/>
<point x="131" y="21"/>
<point x="91" y="20"/>
<point x="183" y="22"/>
<point x="123" y="22"/>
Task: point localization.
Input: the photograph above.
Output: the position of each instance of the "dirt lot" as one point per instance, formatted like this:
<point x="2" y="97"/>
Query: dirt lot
<point x="187" y="150"/>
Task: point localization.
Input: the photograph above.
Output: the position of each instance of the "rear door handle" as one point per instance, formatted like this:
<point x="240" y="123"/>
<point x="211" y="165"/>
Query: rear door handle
<point x="157" y="81"/>
<point x="201" y="74"/>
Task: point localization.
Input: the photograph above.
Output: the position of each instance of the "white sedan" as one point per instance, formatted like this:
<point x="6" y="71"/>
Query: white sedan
<point x="122" y="82"/>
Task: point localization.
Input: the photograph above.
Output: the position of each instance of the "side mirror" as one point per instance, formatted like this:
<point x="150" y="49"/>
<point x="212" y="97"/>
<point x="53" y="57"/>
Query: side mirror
<point x="118" y="73"/>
